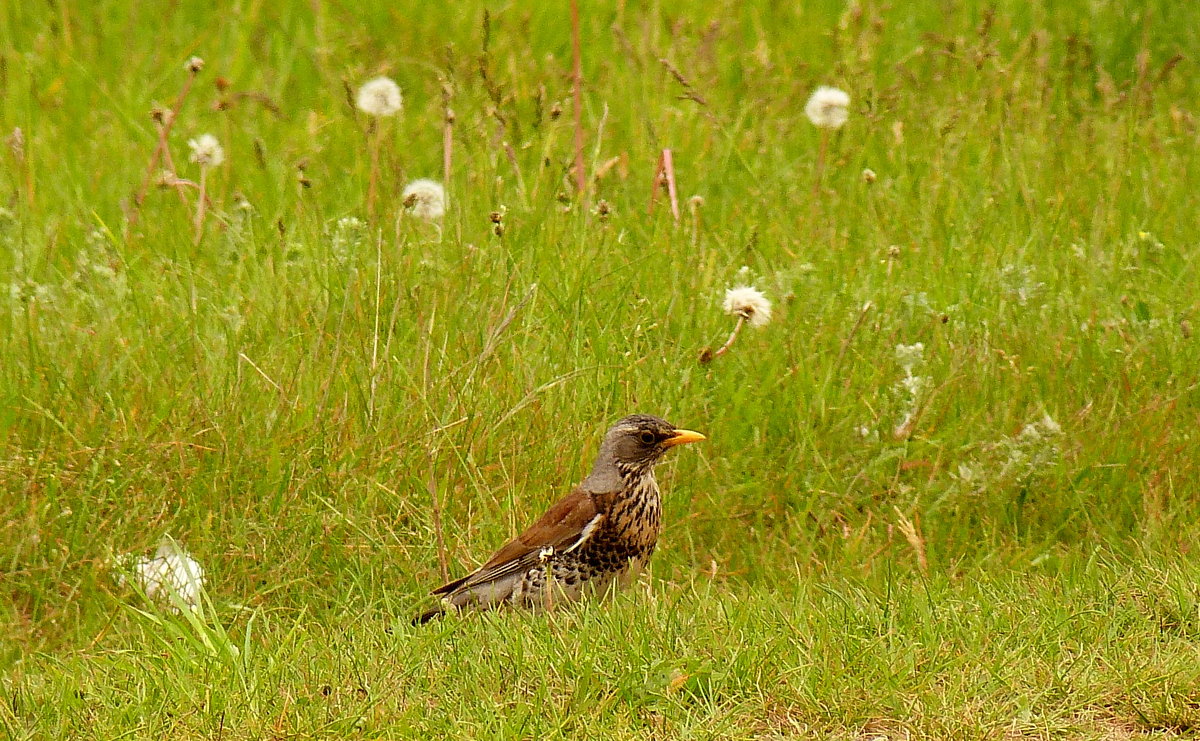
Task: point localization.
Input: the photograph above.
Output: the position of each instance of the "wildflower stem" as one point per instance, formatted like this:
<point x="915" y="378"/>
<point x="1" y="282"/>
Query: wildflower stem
<point x="201" y="201"/>
<point x="664" y="175"/>
<point x="669" y="174"/>
<point x="169" y="161"/>
<point x="161" y="146"/>
<point x="821" y="160"/>
<point x="737" y="328"/>
<point x="577" y="85"/>
<point x="375" y="332"/>
<point x="376" y="144"/>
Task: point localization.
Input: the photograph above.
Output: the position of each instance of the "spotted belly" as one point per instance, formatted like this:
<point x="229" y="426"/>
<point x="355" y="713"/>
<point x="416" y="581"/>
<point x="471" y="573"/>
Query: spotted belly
<point x="570" y="577"/>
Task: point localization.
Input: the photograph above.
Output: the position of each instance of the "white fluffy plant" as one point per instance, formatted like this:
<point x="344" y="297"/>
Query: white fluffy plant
<point x="379" y="98"/>
<point x="425" y="199"/>
<point x="170" y="576"/>
<point x="911" y="386"/>
<point x="174" y="578"/>
<point x="748" y="305"/>
<point x="207" y="153"/>
<point x="828" y="108"/>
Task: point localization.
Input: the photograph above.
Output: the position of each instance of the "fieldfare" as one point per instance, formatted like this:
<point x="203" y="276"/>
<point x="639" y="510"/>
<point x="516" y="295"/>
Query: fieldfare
<point x="601" y="533"/>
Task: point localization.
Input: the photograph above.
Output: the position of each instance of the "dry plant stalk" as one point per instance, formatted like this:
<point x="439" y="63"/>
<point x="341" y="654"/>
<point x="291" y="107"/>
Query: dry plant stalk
<point x="737" y="328"/>
<point x="664" y="174"/>
<point x="909" y="529"/>
<point x="164" y="130"/>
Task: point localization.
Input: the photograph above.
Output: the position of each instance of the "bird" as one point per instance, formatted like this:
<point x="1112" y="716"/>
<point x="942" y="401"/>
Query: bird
<point x="600" y="534"/>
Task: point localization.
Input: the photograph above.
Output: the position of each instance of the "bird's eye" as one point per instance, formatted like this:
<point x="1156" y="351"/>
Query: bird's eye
<point x="647" y="437"/>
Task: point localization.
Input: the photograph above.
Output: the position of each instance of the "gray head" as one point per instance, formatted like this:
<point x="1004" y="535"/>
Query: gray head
<point x="633" y="446"/>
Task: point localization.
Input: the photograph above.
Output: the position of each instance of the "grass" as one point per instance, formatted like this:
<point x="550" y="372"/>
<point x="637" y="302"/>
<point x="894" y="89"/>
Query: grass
<point x="300" y="400"/>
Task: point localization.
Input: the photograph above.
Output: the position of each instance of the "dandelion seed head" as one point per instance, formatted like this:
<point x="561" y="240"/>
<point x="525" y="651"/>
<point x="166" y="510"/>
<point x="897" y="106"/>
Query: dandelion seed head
<point x="910" y="356"/>
<point x="828" y="107"/>
<point x="968" y="473"/>
<point x="170" y="570"/>
<point x="426" y="199"/>
<point x="28" y="291"/>
<point x="868" y="176"/>
<point x="749" y="303"/>
<point x="193" y="64"/>
<point x="1050" y="426"/>
<point x="380" y="97"/>
<point x="206" y="151"/>
<point x="914" y="385"/>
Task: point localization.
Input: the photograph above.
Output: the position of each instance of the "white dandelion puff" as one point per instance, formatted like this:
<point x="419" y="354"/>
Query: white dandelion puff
<point x="910" y="356"/>
<point x="914" y="385"/>
<point x="750" y="306"/>
<point x="828" y="107"/>
<point x="426" y="199"/>
<point x="380" y="97"/>
<point x="749" y="303"/>
<point x="28" y="291"/>
<point x="170" y="571"/>
<point x="206" y="151"/>
<point x="1050" y="426"/>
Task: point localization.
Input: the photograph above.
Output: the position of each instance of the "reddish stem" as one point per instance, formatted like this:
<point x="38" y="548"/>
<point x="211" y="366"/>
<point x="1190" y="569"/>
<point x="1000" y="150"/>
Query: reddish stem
<point x="161" y="146"/>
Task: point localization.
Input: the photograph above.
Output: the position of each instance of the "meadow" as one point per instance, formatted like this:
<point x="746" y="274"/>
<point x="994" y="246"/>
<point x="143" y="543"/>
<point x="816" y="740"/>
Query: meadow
<point x="949" y="490"/>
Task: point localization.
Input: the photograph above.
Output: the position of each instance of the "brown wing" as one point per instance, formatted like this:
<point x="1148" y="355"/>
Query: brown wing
<point x="564" y="526"/>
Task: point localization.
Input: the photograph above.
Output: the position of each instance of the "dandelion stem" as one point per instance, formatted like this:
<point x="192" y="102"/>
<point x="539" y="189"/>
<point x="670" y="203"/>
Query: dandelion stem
<point x="201" y="201"/>
<point x="821" y="160"/>
<point x="375" y="333"/>
<point x="737" y="328"/>
<point x="375" y="145"/>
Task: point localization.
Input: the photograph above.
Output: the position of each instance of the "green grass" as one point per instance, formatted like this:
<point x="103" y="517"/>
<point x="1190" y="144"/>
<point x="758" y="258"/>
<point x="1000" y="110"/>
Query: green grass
<point x="289" y="401"/>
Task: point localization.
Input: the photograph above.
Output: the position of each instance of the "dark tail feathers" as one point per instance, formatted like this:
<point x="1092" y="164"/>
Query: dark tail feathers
<point x="428" y="615"/>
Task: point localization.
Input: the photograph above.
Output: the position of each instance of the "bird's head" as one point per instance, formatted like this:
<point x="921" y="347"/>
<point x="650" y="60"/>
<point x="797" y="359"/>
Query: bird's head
<point x="637" y="442"/>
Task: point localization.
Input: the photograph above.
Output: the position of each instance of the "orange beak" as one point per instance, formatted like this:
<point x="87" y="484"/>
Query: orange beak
<point x="683" y="437"/>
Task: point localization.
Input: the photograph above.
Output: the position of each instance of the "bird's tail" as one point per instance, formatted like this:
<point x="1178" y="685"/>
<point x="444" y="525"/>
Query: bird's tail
<point x="428" y="615"/>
